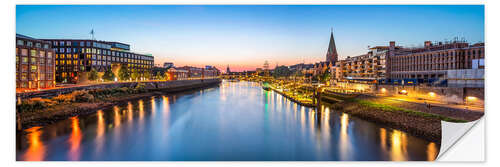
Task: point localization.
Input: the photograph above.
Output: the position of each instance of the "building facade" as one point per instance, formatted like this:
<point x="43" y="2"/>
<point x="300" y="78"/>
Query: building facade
<point x="434" y="61"/>
<point x="35" y="67"/>
<point x="369" y="67"/>
<point x="76" y="57"/>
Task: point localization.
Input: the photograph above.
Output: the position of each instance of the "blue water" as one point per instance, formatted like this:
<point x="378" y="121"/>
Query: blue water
<point x="235" y="121"/>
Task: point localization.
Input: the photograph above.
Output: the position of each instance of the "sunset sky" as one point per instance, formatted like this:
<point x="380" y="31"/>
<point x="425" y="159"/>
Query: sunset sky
<point x="243" y="37"/>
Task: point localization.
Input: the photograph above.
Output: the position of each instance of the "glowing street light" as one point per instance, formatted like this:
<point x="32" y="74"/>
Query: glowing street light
<point x="432" y="94"/>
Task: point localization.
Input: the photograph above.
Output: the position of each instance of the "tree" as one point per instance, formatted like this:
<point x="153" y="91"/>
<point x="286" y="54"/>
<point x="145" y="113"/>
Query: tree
<point x="124" y="73"/>
<point x="147" y="75"/>
<point x="108" y="75"/>
<point x="135" y="75"/>
<point x="281" y="71"/>
<point x="158" y="75"/>
<point x="92" y="75"/>
<point x="325" y="77"/>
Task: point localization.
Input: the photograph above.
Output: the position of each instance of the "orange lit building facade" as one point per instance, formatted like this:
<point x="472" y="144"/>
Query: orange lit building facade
<point x="35" y="67"/>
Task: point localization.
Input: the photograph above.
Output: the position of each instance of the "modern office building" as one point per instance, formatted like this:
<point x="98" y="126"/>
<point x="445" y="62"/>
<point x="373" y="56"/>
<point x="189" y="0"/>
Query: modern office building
<point x="76" y="57"/>
<point x="35" y="65"/>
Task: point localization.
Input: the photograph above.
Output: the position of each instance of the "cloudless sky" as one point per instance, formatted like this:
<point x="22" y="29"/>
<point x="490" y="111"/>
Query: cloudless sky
<point x="243" y="37"/>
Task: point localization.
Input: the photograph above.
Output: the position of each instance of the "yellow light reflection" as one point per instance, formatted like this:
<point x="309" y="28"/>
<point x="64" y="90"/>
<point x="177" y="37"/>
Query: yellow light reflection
<point x="153" y="106"/>
<point x="75" y="140"/>
<point x="117" y="116"/>
<point x="432" y="151"/>
<point x="344" y="142"/>
<point x="141" y="110"/>
<point x="383" y="138"/>
<point x="398" y="146"/>
<point x="101" y="127"/>
<point x="130" y="112"/>
<point x="36" y="149"/>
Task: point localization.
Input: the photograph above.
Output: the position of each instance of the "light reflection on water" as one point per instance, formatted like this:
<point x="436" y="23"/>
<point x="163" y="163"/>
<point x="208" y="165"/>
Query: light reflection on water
<point x="236" y="121"/>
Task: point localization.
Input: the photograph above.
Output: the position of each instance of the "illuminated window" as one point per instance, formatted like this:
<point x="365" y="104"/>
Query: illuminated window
<point x="33" y="60"/>
<point x="49" y="55"/>
<point x="25" y="60"/>
<point x="33" y="68"/>
<point x="42" y="53"/>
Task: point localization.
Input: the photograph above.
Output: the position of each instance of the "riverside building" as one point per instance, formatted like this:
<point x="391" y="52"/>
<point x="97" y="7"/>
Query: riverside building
<point x="76" y="57"/>
<point x="369" y="67"/>
<point x="453" y="63"/>
<point x="34" y="63"/>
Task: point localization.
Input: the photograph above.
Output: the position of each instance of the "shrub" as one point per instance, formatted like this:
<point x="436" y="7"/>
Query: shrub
<point x="82" y="96"/>
<point x="64" y="98"/>
<point x="34" y="104"/>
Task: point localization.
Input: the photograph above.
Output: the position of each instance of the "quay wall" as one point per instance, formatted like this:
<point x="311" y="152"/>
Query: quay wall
<point x="175" y="85"/>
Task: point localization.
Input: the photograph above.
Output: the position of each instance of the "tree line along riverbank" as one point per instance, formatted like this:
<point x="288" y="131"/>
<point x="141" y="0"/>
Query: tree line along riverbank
<point x="39" y="111"/>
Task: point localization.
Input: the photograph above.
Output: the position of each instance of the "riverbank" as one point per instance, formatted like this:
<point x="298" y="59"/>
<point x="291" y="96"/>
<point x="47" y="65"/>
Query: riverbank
<point x="423" y="125"/>
<point x="300" y="102"/>
<point x="49" y="110"/>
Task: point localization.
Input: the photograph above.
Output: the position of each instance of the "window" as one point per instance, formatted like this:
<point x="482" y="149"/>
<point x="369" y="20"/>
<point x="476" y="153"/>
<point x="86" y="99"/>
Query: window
<point x="61" y="50"/>
<point x="25" y="60"/>
<point x="49" y="55"/>
<point x="68" y="43"/>
<point x="61" y="43"/>
<point x="46" y="46"/>
<point x="33" y="68"/>
<point x="29" y="44"/>
<point x="24" y="76"/>
<point x="82" y="43"/>
<point x="20" y="42"/>
<point x="38" y="45"/>
<point x="42" y="53"/>
<point x="42" y="61"/>
<point x="33" y="60"/>
<point x="24" y="52"/>
<point x="88" y="44"/>
<point x="33" y="53"/>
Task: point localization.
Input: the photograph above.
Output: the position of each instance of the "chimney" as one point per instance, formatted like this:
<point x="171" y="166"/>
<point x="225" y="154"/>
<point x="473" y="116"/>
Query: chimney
<point x="427" y="44"/>
<point x="392" y="45"/>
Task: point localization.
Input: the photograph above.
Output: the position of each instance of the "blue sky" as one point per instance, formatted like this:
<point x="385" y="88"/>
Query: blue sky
<point x="245" y="36"/>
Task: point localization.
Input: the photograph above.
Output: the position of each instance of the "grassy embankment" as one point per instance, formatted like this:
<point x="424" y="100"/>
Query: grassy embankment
<point x="329" y="97"/>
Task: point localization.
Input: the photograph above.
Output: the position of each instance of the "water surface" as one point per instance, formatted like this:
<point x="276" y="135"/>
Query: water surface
<point x="235" y="121"/>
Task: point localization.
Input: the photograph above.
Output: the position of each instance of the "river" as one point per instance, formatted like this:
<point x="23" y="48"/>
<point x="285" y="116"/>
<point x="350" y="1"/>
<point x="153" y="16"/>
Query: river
<point x="234" y="121"/>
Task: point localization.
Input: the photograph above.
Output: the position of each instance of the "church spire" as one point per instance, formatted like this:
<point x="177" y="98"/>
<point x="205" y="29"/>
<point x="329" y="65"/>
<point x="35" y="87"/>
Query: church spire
<point x="331" y="54"/>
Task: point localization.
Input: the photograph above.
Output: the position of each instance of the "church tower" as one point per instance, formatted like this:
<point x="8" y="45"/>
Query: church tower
<point x="331" y="54"/>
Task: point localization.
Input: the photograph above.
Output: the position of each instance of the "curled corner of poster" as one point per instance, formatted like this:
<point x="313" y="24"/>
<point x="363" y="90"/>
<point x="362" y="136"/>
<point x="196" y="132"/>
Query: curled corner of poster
<point x="452" y="133"/>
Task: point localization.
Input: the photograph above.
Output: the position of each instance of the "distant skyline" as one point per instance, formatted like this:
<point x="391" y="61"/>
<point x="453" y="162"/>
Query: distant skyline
<point x="244" y="36"/>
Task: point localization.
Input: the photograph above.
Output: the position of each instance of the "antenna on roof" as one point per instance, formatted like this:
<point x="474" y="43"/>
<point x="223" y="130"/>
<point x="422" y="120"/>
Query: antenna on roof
<point x="92" y="34"/>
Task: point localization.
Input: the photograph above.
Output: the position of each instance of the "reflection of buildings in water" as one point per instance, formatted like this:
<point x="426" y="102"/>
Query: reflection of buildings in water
<point x="432" y="151"/>
<point x="398" y="146"/>
<point x="74" y="140"/>
<point x="383" y="139"/>
<point x="101" y="128"/>
<point x="141" y="110"/>
<point x="153" y="106"/>
<point x="130" y="112"/>
<point x="117" y="116"/>
<point x="36" y="149"/>
<point x="345" y="145"/>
